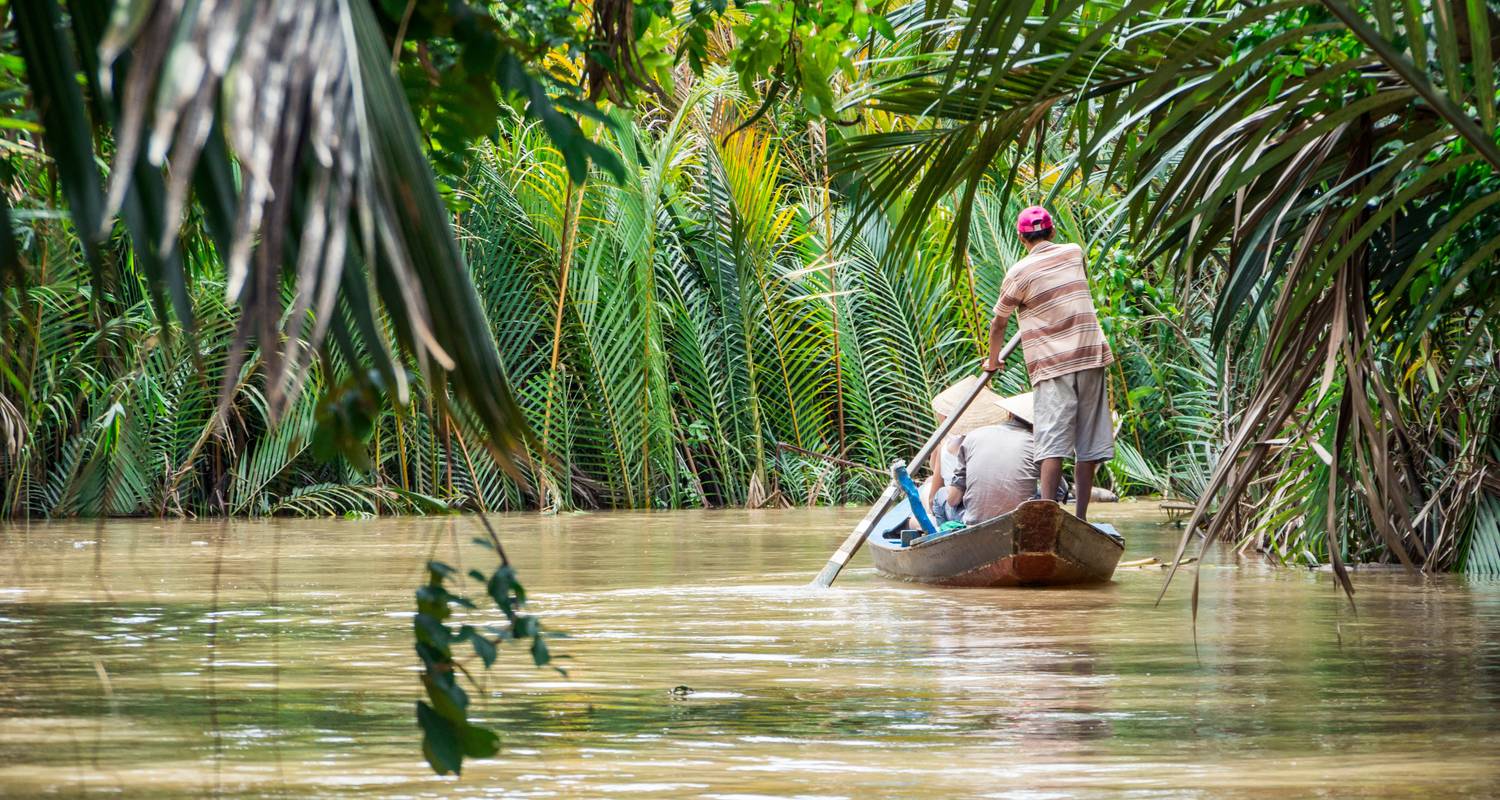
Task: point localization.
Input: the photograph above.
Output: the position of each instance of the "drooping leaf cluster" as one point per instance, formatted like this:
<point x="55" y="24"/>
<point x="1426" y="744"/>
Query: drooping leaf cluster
<point x="448" y="737"/>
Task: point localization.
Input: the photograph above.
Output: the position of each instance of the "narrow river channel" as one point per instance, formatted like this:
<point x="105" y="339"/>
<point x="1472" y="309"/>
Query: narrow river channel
<point x="274" y="659"/>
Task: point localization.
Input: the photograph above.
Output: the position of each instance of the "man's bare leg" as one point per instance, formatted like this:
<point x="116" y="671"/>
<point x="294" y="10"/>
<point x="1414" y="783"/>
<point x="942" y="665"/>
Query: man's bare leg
<point x="1083" y="485"/>
<point x="1051" y="476"/>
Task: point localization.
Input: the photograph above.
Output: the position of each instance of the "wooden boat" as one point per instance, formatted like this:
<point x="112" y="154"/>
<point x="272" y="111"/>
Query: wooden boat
<point x="1038" y="544"/>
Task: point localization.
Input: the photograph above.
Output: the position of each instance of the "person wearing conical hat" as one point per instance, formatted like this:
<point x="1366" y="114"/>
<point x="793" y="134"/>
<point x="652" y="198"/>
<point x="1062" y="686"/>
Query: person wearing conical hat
<point x="1066" y="354"/>
<point x="985" y="467"/>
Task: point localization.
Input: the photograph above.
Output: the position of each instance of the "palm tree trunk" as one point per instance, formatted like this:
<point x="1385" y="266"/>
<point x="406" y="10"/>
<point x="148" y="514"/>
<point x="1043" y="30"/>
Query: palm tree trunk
<point x="571" y="207"/>
<point x="833" y="304"/>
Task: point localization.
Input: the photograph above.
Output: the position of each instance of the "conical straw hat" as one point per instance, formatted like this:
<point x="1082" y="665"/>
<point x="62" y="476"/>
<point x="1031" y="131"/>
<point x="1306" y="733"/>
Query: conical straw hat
<point x="983" y="411"/>
<point x="1019" y="407"/>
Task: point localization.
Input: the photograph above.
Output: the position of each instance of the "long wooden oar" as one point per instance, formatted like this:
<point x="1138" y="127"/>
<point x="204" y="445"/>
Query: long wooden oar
<point x="861" y="531"/>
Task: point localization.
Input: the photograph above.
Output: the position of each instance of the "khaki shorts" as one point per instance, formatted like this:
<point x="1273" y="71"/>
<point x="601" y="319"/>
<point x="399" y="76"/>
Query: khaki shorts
<point x="1072" y="417"/>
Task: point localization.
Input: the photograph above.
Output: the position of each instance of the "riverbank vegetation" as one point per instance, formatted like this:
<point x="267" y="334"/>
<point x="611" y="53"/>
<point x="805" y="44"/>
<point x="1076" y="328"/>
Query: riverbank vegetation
<point x="706" y="274"/>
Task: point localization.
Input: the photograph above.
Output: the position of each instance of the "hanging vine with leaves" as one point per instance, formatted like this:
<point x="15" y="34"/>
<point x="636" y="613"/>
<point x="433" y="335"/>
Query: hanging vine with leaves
<point x="447" y="734"/>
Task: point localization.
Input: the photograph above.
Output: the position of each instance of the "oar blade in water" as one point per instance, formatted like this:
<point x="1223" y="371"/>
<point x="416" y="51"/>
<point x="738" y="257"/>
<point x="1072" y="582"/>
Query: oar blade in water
<point x="856" y="538"/>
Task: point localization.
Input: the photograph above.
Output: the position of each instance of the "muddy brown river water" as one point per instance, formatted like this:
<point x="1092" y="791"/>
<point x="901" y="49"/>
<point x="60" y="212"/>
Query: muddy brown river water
<point x="274" y="659"/>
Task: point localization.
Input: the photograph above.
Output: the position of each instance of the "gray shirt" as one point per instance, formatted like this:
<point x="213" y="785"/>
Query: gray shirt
<point x="998" y="472"/>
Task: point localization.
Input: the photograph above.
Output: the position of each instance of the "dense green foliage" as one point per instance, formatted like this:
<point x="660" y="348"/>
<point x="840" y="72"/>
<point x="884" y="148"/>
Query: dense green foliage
<point x="1289" y="214"/>
<point x="701" y="314"/>
<point x="699" y="323"/>
<point x="710" y="315"/>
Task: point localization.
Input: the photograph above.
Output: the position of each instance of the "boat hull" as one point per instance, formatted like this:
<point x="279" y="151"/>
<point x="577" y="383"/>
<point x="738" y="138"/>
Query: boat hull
<point x="1038" y="544"/>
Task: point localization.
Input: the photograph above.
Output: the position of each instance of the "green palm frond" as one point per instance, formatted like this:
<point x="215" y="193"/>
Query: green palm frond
<point x="343" y="500"/>
<point x="1482" y="552"/>
<point x="1138" y="470"/>
<point x="362" y="197"/>
<point x="258" y="468"/>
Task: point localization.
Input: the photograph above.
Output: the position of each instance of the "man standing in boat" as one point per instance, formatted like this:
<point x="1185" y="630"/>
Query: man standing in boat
<point x="1066" y="355"/>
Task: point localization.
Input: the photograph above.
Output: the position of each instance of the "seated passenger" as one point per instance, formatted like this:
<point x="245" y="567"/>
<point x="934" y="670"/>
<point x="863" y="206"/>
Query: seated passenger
<point x="943" y="491"/>
<point x="985" y="469"/>
<point x="998" y="469"/>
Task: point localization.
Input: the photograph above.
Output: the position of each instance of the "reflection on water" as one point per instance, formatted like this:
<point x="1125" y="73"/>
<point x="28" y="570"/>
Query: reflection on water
<point x="274" y="659"/>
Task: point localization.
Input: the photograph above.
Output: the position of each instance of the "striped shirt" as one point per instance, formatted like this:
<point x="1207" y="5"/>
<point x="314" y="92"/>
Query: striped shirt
<point x="1060" y="332"/>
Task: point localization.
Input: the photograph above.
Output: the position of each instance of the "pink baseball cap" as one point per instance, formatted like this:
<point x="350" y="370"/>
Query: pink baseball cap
<point x="1034" y="219"/>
